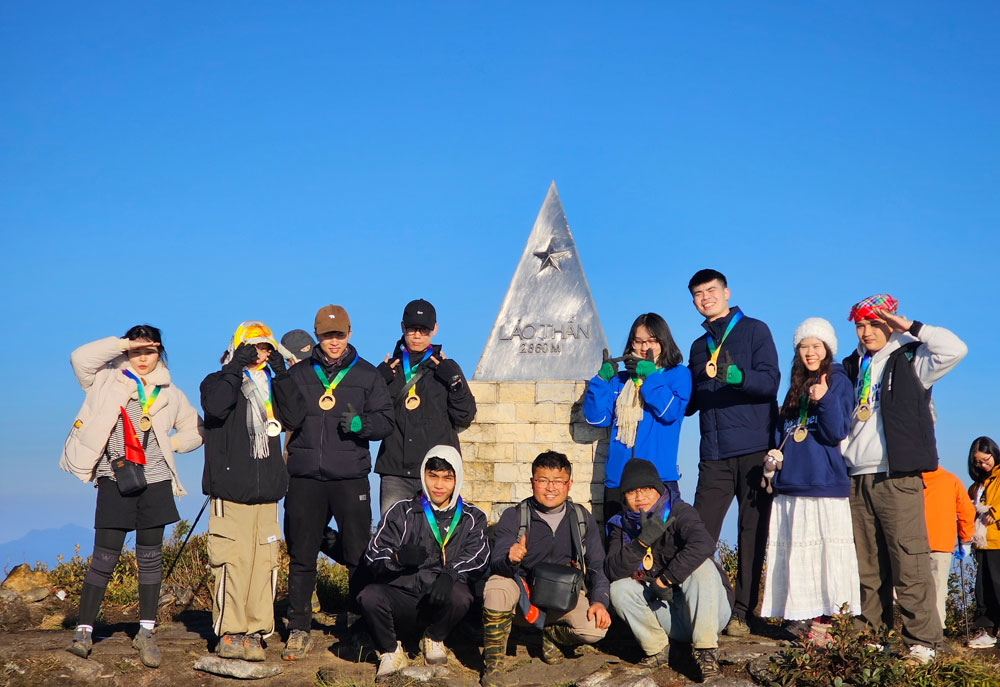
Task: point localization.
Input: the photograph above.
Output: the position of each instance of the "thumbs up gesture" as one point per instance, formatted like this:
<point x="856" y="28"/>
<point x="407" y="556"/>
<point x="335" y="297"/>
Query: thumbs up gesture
<point x="518" y="549"/>
<point x="819" y="389"/>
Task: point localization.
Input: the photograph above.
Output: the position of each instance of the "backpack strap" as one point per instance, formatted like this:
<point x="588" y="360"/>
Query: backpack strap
<point x="579" y="534"/>
<point x="525" y="518"/>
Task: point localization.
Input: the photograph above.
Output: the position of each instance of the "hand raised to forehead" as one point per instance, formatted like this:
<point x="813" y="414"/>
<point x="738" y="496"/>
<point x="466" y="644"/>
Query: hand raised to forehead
<point x="136" y="344"/>
<point x="897" y="323"/>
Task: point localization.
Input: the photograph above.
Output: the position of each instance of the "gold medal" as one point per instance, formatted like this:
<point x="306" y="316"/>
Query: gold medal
<point x="145" y="423"/>
<point x="711" y="369"/>
<point x="273" y="427"/>
<point x="412" y="402"/>
<point x="327" y="401"/>
<point x="800" y="434"/>
<point x="863" y="412"/>
<point x="647" y="560"/>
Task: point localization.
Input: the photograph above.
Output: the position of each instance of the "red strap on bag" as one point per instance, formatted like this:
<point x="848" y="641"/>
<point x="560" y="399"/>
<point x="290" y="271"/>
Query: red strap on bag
<point x="133" y="449"/>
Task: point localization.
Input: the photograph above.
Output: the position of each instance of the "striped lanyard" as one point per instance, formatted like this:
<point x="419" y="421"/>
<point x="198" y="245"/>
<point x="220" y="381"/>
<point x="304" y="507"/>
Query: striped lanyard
<point x="327" y="384"/>
<point x="144" y="401"/>
<point x="408" y="371"/>
<point x="715" y="350"/>
<point x="662" y="506"/>
<point x="866" y="379"/>
<point x="435" y="530"/>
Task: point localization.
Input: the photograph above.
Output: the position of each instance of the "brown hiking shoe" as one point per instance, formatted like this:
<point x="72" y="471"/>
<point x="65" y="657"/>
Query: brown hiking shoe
<point x="253" y="649"/>
<point x="708" y="662"/>
<point x="298" y="645"/>
<point x="149" y="653"/>
<point x="231" y="646"/>
<point x="737" y="627"/>
<point x="83" y="642"/>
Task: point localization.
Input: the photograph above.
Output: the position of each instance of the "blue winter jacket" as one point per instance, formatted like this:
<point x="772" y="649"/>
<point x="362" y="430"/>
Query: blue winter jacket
<point x="736" y="419"/>
<point x="665" y="395"/>
<point x="815" y="466"/>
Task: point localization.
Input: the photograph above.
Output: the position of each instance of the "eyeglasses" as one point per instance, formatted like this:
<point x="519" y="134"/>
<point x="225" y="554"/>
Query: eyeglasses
<point x="645" y="342"/>
<point x="544" y="482"/>
<point x="423" y="331"/>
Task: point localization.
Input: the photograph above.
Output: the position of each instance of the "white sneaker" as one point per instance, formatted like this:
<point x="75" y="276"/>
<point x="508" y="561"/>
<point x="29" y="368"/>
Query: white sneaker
<point x="982" y="640"/>
<point x="390" y="662"/>
<point x="920" y="654"/>
<point x="435" y="653"/>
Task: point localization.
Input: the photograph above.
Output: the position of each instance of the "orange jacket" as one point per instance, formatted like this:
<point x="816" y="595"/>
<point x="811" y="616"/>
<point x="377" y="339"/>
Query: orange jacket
<point x="948" y="510"/>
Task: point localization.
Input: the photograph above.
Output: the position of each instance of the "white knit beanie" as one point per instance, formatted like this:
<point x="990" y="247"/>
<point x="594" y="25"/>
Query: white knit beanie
<point x="816" y="328"/>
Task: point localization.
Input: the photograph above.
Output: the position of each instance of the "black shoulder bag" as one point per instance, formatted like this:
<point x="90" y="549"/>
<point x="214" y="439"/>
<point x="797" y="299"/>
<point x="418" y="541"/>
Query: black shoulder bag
<point x="554" y="586"/>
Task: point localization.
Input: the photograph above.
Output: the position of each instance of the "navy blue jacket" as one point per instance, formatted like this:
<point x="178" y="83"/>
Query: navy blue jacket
<point x="815" y="466"/>
<point x="665" y="395"/>
<point x="736" y="419"/>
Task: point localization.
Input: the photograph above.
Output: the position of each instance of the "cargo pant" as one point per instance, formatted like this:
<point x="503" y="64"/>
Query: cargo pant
<point x="243" y="545"/>
<point x="502" y="593"/>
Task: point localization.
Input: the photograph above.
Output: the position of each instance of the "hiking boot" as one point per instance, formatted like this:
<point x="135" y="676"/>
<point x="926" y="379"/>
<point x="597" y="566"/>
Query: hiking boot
<point x="708" y="663"/>
<point x="982" y="640"/>
<point x="819" y="633"/>
<point x="390" y="662"/>
<point x="83" y="642"/>
<point x="298" y="645"/>
<point x="435" y="653"/>
<point x="231" y="646"/>
<point x="253" y="648"/>
<point x="496" y="632"/>
<point x="656" y="660"/>
<point x="919" y="655"/>
<point x="551" y="653"/>
<point x="149" y="653"/>
<point x="737" y="627"/>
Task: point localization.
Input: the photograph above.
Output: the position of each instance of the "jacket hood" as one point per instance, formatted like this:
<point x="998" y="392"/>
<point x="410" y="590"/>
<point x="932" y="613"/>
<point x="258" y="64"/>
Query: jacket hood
<point x="160" y="376"/>
<point x="895" y="341"/>
<point x="451" y="456"/>
<point x="253" y="332"/>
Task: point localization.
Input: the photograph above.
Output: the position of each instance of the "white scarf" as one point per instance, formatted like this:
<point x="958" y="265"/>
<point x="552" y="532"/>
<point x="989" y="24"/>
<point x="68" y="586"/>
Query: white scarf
<point x="628" y="413"/>
<point x="256" y="412"/>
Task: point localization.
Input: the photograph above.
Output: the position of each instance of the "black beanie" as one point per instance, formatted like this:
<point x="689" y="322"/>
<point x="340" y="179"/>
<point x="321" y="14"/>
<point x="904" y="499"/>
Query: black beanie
<point x="639" y="473"/>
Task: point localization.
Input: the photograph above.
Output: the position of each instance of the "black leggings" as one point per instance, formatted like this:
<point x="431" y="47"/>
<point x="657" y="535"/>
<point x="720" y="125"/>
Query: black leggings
<point x="107" y="549"/>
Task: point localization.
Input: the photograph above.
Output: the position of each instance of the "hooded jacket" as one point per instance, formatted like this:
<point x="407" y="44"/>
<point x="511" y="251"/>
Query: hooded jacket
<point x="948" y="510"/>
<point x="98" y="367"/>
<point x="736" y="419"/>
<point x="466" y="551"/>
<point x="815" y="466"/>
<point x="665" y="395"/>
<point x="546" y="546"/>
<point x="683" y="547"/>
<point x="899" y="435"/>
<point x="446" y="407"/>
<point x="318" y="448"/>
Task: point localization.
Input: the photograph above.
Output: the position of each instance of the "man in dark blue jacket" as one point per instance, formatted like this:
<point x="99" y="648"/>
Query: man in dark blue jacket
<point x="335" y="402"/>
<point x="734" y="367"/>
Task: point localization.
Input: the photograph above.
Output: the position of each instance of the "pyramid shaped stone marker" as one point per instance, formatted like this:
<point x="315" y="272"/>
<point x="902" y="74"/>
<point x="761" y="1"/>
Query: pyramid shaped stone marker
<point x="548" y="326"/>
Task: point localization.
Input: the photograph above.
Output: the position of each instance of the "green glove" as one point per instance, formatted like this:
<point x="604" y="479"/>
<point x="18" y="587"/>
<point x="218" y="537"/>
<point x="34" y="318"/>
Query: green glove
<point x="350" y="421"/>
<point x="644" y="368"/>
<point x="728" y="372"/>
<point x="608" y="368"/>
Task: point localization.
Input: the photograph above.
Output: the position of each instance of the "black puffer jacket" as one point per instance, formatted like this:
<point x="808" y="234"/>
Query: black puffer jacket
<point x="231" y="472"/>
<point x="318" y="448"/>
<point x="446" y="406"/>
<point x="683" y="547"/>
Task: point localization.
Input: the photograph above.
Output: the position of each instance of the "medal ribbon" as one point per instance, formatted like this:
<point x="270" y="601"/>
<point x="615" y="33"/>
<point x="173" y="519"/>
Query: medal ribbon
<point x="327" y="384"/>
<point x="662" y="504"/>
<point x="267" y="400"/>
<point x="408" y="372"/>
<point x="803" y="410"/>
<point x="711" y="342"/>
<point x="146" y="403"/>
<point x="866" y="379"/>
<point x="429" y="513"/>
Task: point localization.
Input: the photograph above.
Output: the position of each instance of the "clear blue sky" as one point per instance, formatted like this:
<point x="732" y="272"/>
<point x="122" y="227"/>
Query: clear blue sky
<point x="194" y="165"/>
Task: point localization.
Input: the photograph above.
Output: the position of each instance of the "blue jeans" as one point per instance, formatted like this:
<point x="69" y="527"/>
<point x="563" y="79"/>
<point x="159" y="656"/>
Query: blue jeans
<point x="698" y="612"/>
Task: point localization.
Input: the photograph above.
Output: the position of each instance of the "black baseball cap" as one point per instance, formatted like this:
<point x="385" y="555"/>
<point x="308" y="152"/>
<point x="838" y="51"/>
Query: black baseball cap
<point x="298" y="342"/>
<point x="419" y="313"/>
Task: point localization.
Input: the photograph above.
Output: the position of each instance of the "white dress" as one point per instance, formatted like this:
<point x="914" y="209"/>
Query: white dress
<point x="812" y="567"/>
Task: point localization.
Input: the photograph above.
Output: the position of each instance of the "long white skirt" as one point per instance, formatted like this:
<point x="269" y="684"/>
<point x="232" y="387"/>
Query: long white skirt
<point x="812" y="568"/>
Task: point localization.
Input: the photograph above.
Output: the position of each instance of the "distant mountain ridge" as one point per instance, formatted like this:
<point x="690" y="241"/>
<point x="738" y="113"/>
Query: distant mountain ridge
<point x="46" y="545"/>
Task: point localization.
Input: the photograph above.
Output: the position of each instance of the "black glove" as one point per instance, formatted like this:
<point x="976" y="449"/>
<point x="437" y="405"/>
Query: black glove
<point x="350" y="421"/>
<point x="441" y="590"/>
<point x="447" y="371"/>
<point x="664" y="594"/>
<point x="276" y="361"/>
<point x="630" y="362"/>
<point x="244" y="355"/>
<point x="653" y="528"/>
<point x="331" y="545"/>
<point x="388" y="373"/>
<point x="411" y="555"/>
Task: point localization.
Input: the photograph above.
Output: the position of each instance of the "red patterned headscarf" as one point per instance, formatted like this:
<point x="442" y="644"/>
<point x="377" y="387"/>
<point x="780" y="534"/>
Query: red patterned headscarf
<point x="865" y="310"/>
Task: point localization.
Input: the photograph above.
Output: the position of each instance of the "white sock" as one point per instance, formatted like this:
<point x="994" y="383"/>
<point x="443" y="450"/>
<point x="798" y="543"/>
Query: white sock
<point x="147" y="624"/>
<point x="88" y="629"/>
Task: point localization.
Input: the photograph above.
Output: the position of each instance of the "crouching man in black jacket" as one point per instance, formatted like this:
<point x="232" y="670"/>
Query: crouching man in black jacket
<point x="549" y="529"/>
<point x="666" y="582"/>
<point x="426" y="552"/>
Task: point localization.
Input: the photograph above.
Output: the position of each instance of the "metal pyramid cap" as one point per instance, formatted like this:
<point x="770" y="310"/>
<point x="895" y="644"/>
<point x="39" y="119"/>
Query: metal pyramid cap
<point x="548" y="326"/>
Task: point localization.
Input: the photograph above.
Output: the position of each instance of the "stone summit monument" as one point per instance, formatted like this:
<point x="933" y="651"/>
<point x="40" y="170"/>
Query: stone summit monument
<point x="529" y="383"/>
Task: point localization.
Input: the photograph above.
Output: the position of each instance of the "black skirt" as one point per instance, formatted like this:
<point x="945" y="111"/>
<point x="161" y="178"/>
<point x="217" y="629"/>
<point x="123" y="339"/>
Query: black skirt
<point x="152" y="507"/>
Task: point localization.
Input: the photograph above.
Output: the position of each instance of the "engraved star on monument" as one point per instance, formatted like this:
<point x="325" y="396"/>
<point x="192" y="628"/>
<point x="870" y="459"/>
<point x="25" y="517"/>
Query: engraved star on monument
<point x="547" y="327"/>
